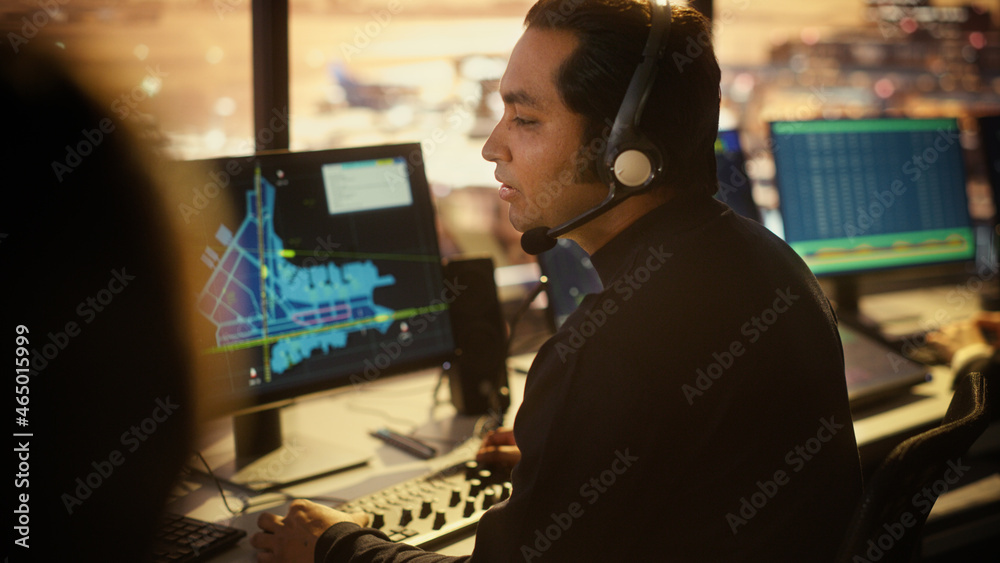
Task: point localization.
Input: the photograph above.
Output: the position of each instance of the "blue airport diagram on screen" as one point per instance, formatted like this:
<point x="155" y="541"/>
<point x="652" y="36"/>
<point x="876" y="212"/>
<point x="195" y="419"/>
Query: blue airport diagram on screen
<point x="257" y="298"/>
<point x="311" y="271"/>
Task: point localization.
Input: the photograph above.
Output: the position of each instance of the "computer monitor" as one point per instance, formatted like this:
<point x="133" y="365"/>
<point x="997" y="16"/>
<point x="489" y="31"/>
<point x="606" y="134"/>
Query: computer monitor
<point x="989" y="139"/>
<point x="735" y="188"/>
<point x="328" y="274"/>
<point x="569" y="277"/>
<point x="867" y="195"/>
<point x="989" y="136"/>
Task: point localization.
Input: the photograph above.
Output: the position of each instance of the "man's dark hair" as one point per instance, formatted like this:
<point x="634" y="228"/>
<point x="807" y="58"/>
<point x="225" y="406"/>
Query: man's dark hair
<point x="682" y="113"/>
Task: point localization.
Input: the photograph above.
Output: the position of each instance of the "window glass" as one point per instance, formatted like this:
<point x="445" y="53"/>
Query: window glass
<point x="382" y="71"/>
<point x="178" y="69"/>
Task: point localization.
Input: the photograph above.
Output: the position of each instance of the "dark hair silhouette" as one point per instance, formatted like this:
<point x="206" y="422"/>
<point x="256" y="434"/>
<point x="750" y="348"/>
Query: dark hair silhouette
<point x="682" y="114"/>
<point x="92" y="275"/>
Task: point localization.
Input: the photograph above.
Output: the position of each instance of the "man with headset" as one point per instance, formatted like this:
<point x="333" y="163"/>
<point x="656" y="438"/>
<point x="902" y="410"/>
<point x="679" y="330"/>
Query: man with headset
<point x="695" y="409"/>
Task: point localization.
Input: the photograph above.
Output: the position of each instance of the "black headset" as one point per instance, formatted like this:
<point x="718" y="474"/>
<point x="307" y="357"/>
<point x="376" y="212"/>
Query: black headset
<point x="631" y="162"/>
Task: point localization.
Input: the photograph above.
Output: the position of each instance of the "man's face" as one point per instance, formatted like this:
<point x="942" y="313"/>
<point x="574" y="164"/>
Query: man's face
<point x="537" y="144"/>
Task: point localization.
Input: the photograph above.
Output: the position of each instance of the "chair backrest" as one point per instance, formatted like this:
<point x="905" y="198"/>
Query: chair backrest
<point x="887" y="523"/>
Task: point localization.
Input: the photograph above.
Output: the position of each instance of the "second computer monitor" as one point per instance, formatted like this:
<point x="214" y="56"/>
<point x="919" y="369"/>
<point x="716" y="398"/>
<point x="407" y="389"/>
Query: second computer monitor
<point x="989" y="136"/>
<point x="735" y="187"/>
<point x="873" y="194"/>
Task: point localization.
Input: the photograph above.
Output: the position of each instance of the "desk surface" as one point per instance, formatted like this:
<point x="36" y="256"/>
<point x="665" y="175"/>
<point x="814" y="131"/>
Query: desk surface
<point x="925" y="404"/>
<point x="343" y="420"/>
<point x="406" y="404"/>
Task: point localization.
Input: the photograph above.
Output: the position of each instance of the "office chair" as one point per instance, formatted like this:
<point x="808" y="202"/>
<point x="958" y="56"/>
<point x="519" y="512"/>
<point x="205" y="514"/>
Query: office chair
<point x="887" y="524"/>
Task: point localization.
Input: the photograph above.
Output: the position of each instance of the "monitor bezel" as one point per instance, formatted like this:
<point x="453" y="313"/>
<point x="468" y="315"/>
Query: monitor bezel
<point x="249" y="402"/>
<point x="847" y="274"/>
<point x="747" y="193"/>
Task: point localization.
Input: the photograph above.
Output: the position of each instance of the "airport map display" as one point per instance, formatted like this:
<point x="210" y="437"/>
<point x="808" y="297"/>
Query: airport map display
<point x="256" y="297"/>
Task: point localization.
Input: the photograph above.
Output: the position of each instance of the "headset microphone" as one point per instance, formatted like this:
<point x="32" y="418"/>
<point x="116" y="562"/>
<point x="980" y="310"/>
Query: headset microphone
<point x="631" y="161"/>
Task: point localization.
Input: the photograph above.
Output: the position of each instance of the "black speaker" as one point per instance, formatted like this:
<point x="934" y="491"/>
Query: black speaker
<point x="478" y="372"/>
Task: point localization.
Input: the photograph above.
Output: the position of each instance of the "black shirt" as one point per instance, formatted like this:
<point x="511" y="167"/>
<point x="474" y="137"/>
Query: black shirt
<point x="694" y="410"/>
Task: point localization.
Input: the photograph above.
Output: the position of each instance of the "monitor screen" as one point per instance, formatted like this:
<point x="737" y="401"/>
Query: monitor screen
<point x="989" y="135"/>
<point x="327" y="274"/>
<point x="735" y="188"/>
<point x="872" y="194"/>
<point x="569" y="277"/>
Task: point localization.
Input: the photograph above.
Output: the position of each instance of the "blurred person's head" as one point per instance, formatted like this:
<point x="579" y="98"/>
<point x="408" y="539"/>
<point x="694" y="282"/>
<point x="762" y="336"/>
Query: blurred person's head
<point x="95" y="278"/>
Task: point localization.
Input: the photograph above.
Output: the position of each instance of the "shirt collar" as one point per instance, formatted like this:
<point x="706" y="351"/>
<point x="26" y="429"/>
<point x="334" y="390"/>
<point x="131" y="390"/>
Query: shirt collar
<point x="677" y="215"/>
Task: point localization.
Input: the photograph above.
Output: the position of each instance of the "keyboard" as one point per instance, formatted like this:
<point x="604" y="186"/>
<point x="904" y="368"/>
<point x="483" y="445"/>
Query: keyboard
<point x="181" y="539"/>
<point x="435" y="509"/>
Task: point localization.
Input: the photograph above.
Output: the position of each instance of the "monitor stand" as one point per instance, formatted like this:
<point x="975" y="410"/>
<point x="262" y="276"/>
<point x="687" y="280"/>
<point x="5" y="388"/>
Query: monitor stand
<point x="266" y="460"/>
<point x="988" y="261"/>
<point x="845" y="297"/>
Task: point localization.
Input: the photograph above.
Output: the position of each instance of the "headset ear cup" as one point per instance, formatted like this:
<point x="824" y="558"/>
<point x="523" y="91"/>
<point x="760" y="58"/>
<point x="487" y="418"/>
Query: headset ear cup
<point x="633" y="168"/>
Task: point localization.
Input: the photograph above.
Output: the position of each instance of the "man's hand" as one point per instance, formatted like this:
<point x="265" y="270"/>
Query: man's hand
<point x="989" y="322"/>
<point x="499" y="449"/>
<point x="292" y="539"/>
<point x="951" y="338"/>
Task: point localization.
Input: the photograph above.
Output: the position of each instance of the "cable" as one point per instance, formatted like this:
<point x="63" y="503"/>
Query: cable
<point x="218" y="484"/>
<point x="437" y="389"/>
<point x="247" y="504"/>
<point x="542" y="283"/>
